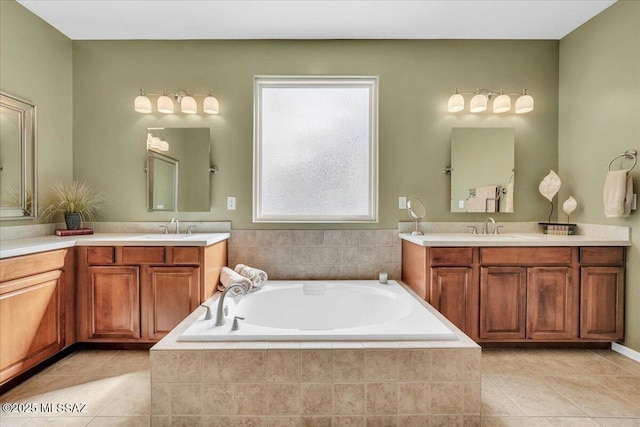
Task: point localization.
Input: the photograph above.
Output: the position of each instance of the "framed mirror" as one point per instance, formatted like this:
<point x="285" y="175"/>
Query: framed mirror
<point x="178" y="166"/>
<point x="482" y="169"/>
<point x="17" y="158"/>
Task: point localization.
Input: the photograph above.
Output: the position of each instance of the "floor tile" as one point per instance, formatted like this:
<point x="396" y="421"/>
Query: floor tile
<point x="496" y="403"/>
<point x="81" y="363"/>
<point x="618" y="422"/>
<point x="618" y="359"/>
<point x="133" y="398"/>
<point x="564" y="422"/>
<point x="504" y="362"/>
<point x="12" y="422"/>
<point x="59" y="422"/>
<point x="507" y="422"/>
<point x="120" y="422"/>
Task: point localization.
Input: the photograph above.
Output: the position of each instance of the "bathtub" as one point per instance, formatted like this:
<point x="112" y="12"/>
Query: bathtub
<point x="322" y="310"/>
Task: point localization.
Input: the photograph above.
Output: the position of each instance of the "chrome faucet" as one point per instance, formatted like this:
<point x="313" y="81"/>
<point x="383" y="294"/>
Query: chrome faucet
<point x="177" y="223"/>
<point x="485" y="230"/>
<point x="220" y="311"/>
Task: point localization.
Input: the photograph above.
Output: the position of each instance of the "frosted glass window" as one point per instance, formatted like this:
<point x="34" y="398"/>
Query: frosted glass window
<point x="315" y="149"/>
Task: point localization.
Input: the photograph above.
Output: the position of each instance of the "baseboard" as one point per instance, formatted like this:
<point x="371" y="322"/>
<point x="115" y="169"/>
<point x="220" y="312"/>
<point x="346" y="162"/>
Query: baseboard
<point x="626" y="351"/>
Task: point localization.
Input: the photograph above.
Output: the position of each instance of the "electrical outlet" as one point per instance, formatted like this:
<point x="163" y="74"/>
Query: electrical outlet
<point x="402" y="203"/>
<point x="231" y="203"/>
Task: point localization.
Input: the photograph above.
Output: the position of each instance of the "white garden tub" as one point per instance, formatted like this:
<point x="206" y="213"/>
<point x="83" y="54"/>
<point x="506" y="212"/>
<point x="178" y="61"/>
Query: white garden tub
<point x="322" y="310"/>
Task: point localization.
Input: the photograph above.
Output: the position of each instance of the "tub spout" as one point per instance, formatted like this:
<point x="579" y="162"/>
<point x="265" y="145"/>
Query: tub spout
<point x="219" y="312"/>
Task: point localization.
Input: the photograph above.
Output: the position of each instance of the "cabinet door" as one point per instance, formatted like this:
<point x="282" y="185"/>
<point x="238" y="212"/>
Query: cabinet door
<point x="502" y="303"/>
<point x="602" y="303"/>
<point x="449" y="287"/>
<point x="171" y="294"/>
<point x="31" y="322"/>
<point x="552" y="303"/>
<point x="114" y="302"/>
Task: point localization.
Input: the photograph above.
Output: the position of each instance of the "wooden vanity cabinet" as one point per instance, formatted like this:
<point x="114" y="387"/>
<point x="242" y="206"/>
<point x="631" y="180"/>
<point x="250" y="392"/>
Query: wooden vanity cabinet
<point x="602" y="293"/>
<point x="36" y="309"/>
<point x="139" y="293"/>
<point x="522" y="294"/>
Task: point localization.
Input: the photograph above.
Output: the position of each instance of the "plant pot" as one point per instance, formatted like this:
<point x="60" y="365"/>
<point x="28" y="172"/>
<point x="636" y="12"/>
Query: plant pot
<point x="73" y="220"/>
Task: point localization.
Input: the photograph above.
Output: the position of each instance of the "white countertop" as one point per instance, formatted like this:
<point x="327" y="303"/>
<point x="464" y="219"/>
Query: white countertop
<point x="511" y="239"/>
<point x="11" y="248"/>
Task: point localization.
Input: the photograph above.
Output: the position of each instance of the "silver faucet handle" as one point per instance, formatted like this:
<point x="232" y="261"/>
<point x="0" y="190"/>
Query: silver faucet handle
<point x="496" y="229"/>
<point x="474" y="229"/>
<point x="166" y="229"/>
<point x="189" y="228"/>
<point x="235" y="326"/>
<point x="209" y="315"/>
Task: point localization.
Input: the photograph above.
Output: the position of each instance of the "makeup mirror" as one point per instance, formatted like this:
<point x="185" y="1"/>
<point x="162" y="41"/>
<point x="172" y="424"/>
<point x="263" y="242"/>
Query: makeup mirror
<point x="416" y="211"/>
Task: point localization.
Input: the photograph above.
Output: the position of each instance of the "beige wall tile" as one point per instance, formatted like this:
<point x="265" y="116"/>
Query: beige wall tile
<point x="160" y="398"/>
<point x="218" y="366"/>
<point x="250" y="422"/>
<point x="446" y="398"/>
<point x="283" y="365"/>
<point x="160" y="362"/>
<point x="366" y="255"/>
<point x="471" y="420"/>
<point x="415" y="398"/>
<point x="317" y="398"/>
<point x="367" y="271"/>
<point x="186" y="399"/>
<point x="382" y="398"/>
<point x="349" y="421"/>
<point x="472" y="399"/>
<point x="341" y="238"/>
<point x="414" y="364"/>
<point x="382" y="421"/>
<point x="218" y="399"/>
<point x="316" y="365"/>
<point x="381" y="365"/>
<point x="384" y="237"/>
<point x="285" y="421"/>
<point x="316" y="422"/>
<point x="251" y="399"/>
<point x="186" y="421"/>
<point x="349" y="255"/>
<point x="446" y="421"/>
<point x="366" y="237"/>
<point x="384" y="255"/>
<point x="349" y="398"/>
<point x="250" y="366"/>
<point x="348" y="365"/>
<point x="284" y="399"/>
<point x="455" y="364"/>
<point x="161" y="421"/>
<point x="414" y="420"/>
<point x="186" y="366"/>
<point x="217" y="421"/>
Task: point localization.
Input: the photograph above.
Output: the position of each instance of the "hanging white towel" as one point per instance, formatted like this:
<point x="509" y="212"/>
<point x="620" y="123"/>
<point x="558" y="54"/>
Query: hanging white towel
<point x="617" y="194"/>
<point x="508" y="198"/>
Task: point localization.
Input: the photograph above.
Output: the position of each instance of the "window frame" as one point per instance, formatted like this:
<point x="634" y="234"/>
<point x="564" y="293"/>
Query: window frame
<point x="288" y="82"/>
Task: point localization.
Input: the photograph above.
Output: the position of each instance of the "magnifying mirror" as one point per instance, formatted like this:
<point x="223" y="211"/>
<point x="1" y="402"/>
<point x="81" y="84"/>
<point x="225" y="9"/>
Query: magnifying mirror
<point x="416" y="211"/>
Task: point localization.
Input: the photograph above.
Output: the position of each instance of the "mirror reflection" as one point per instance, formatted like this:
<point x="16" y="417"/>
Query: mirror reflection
<point x="17" y="158"/>
<point x="178" y="169"/>
<point x="482" y="169"/>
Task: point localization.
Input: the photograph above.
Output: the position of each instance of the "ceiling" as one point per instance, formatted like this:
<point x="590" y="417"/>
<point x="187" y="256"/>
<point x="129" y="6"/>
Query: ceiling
<point x="315" y="19"/>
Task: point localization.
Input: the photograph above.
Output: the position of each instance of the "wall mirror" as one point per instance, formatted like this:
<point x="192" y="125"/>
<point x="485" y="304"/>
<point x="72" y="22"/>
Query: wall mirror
<point x="178" y="169"/>
<point x="482" y="169"/>
<point x="17" y="158"/>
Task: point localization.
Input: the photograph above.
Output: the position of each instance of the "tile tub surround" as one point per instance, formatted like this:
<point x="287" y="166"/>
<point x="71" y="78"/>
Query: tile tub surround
<point x="318" y="254"/>
<point x="314" y="383"/>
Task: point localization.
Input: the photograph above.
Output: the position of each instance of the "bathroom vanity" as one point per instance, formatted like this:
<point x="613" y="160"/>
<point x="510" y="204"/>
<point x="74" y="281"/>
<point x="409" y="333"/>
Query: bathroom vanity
<point x="105" y="288"/>
<point x="521" y="288"/>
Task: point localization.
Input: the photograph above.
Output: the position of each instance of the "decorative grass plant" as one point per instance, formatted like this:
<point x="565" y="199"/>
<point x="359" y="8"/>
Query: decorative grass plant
<point x="75" y="197"/>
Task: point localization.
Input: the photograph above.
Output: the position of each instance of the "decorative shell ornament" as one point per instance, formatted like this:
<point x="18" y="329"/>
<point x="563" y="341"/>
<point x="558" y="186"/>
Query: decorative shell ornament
<point x="550" y="185"/>
<point x="569" y="206"/>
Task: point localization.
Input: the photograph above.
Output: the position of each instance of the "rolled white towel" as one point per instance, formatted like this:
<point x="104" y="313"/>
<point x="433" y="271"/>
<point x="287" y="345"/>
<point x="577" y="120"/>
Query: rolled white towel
<point x="258" y="277"/>
<point x="228" y="277"/>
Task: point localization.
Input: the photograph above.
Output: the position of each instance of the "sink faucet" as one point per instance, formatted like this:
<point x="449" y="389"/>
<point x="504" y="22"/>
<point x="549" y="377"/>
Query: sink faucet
<point x="177" y="223"/>
<point x="485" y="230"/>
<point x="219" y="312"/>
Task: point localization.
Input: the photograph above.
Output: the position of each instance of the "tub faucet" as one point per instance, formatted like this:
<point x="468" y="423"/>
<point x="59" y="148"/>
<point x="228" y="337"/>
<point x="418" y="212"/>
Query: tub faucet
<point x="485" y="230"/>
<point x="177" y="223"/>
<point x="220" y="311"/>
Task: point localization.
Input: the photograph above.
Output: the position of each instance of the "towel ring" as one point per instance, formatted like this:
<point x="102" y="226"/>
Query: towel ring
<point x="629" y="154"/>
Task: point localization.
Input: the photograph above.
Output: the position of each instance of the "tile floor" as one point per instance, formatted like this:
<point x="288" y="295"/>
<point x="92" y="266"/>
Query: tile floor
<point x="563" y="388"/>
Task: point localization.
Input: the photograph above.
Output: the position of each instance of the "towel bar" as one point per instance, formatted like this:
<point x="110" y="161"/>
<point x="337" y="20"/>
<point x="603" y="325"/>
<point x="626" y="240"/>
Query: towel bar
<point x="629" y="154"/>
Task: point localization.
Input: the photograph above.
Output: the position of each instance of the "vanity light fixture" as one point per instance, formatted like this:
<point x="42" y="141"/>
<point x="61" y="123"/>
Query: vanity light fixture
<point x="481" y="97"/>
<point x="156" y="143"/>
<point x="165" y="102"/>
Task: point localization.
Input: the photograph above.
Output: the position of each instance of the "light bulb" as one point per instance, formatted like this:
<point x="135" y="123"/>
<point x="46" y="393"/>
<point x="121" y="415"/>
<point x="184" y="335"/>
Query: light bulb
<point x="524" y="104"/>
<point x="188" y="105"/>
<point x="142" y="104"/>
<point x="478" y="103"/>
<point x="165" y="104"/>
<point x="211" y="105"/>
<point x="456" y="103"/>
<point x="502" y="104"/>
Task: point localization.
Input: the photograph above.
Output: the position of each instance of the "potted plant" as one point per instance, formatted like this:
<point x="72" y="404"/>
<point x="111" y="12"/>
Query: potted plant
<point x="75" y="200"/>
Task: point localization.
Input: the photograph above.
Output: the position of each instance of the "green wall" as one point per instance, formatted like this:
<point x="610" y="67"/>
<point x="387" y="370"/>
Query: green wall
<point x="599" y="119"/>
<point x="36" y="65"/>
<point x="416" y="79"/>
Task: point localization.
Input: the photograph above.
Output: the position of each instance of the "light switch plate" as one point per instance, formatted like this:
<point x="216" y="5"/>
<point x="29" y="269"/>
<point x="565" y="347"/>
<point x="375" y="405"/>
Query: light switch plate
<point x="402" y="202"/>
<point x="231" y="203"/>
<point x="460" y="204"/>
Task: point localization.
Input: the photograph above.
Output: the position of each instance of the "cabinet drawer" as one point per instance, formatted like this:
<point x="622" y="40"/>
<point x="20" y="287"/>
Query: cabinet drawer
<point x="451" y="256"/>
<point x="185" y="255"/>
<point x="100" y="255"/>
<point x="29" y="265"/>
<point x="526" y="256"/>
<point x="143" y="255"/>
<point x="602" y="256"/>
